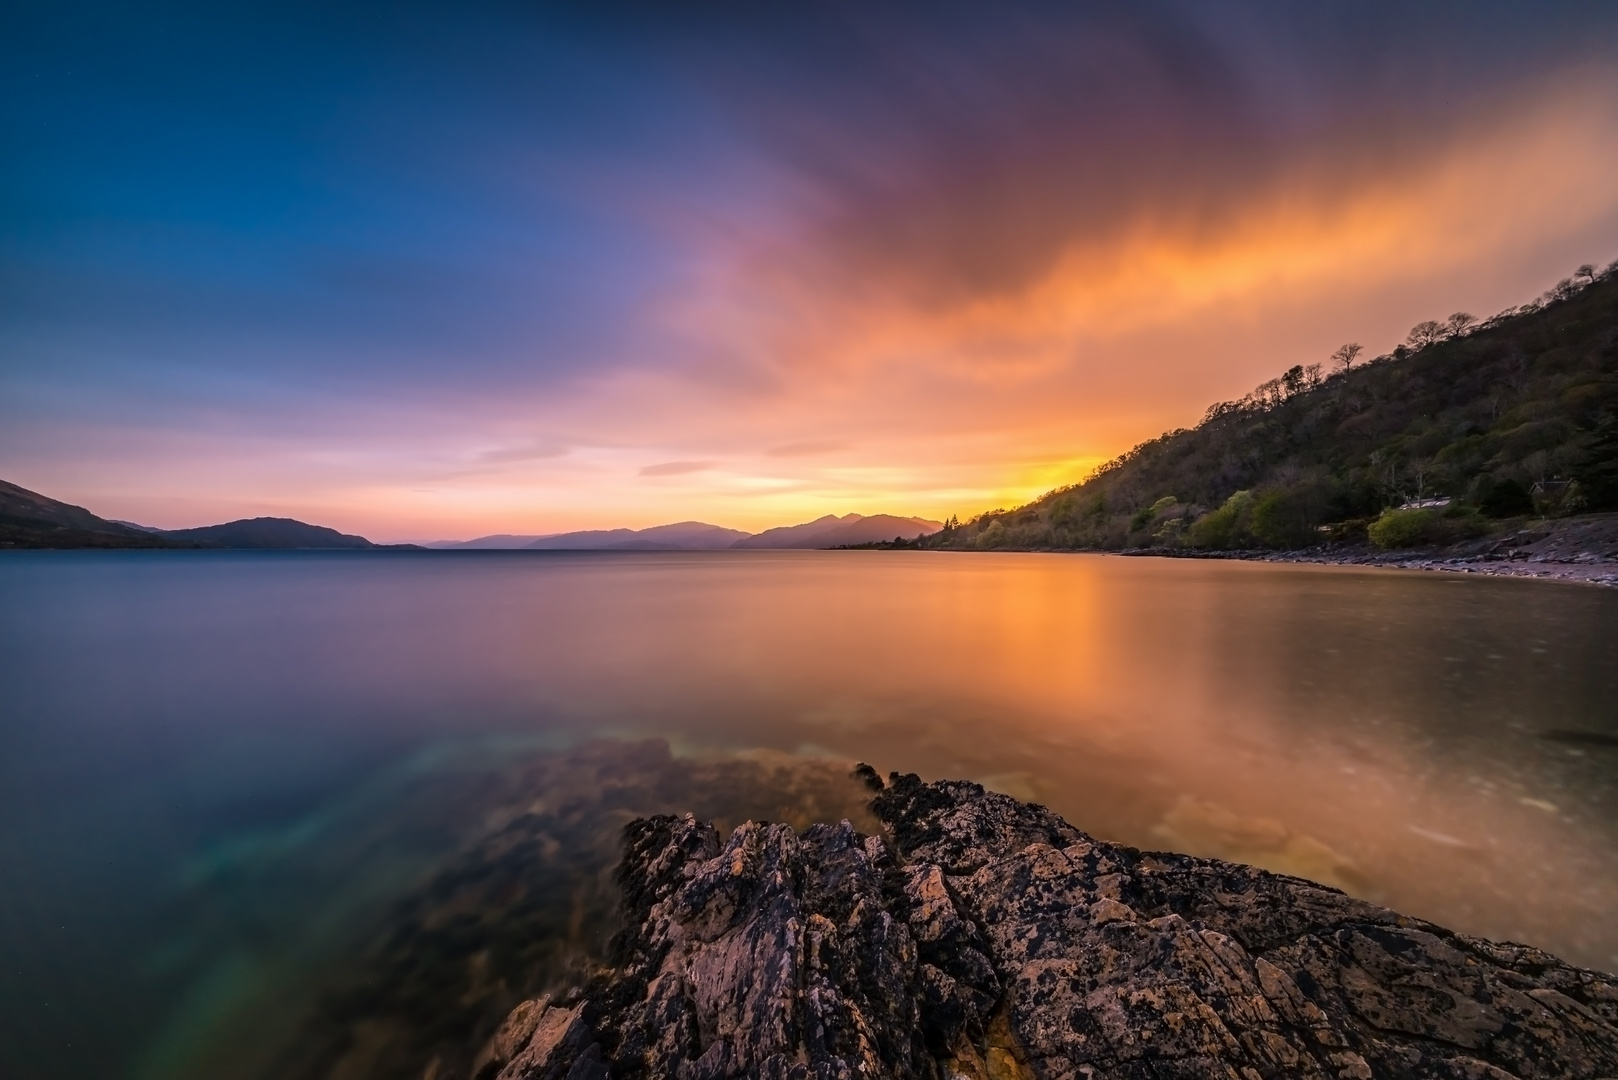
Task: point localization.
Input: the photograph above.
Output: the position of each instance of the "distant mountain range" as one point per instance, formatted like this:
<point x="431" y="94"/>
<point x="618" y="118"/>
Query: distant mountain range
<point x="496" y="542"/>
<point x="826" y="532"/>
<point x="268" y="532"/>
<point x="681" y="536"/>
<point x="831" y="531"/>
<point x="31" y="520"/>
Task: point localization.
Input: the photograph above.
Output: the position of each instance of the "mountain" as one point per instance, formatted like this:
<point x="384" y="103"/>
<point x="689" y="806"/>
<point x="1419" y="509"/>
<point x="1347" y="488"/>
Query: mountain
<point x="877" y="527"/>
<point x="832" y="531"/>
<point x="680" y="536"/>
<point x="496" y="542"/>
<point x="1464" y="423"/>
<point x="825" y="532"/>
<point x="796" y="536"/>
<point x="31" y="520"/>
<point x="270" y="532"/>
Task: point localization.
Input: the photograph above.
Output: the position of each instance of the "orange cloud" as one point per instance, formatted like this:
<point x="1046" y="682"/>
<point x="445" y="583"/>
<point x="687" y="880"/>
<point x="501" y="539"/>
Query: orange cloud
<point x="821" y="377"/>
<point x="1332" y="222"/>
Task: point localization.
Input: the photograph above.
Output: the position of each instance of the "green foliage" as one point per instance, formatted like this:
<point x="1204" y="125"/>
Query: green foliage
<point x="1290" y="517"/>
<point x="992" y="537"/>
<point x="1416" y="527"/>
<point x="1405" y="528"/>
<point x="1527" y="400"/>
<point x="1598" y="472"/>
<point x="1225" y="527"/>
<point x="1150" y="514"/>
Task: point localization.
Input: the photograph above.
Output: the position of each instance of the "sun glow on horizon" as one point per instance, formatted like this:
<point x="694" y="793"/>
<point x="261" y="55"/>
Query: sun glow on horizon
<point x="902" y="284"/>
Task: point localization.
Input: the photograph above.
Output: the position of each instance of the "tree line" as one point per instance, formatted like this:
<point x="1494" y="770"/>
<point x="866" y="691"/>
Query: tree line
<point x="1463" y="422"/>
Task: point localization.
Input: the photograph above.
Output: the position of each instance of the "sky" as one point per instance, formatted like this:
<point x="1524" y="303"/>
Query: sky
<point x="432" y="271"/>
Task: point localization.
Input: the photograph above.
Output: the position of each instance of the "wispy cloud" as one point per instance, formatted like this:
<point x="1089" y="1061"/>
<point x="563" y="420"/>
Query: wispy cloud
<point x="804" y="449"/>
<point x="676" y="468"/>
<point x="511" y="454"/>
<point x="828" y="258"/>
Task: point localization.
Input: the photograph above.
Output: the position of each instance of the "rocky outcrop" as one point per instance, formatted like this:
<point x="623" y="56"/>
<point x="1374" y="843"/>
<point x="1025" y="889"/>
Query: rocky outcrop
<point x="987" y="938"/>
<point x="525" y="907"/>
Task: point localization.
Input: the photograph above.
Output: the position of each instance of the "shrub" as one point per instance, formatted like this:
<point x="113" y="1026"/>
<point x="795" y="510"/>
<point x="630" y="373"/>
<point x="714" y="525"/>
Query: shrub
<point x="1148" y="515"/>
<point x="1413" y="528"/>
<point x="992" y="537"/>
<point x="1572" y="500"/>
<point x="1351" y="531"/>
<point x="1287" y="517"/>
<point x="1404" y="528"/>
<point x="1224" y="527"/>
<point x="1460" y="522"/>
<point x="1169" y="530"/>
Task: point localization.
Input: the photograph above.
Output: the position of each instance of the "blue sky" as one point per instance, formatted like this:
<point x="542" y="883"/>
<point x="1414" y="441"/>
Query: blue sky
<point x="434" y="270"/>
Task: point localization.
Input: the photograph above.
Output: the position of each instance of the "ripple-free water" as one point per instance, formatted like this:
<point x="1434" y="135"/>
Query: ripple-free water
<point x="216" y="769"/>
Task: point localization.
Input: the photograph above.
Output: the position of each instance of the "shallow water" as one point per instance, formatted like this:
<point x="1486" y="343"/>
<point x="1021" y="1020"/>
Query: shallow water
<point x="221" y="774"/>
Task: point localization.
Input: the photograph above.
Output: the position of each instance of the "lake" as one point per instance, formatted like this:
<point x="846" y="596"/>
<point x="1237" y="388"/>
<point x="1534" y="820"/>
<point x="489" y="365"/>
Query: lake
<point x="226" y="778"/>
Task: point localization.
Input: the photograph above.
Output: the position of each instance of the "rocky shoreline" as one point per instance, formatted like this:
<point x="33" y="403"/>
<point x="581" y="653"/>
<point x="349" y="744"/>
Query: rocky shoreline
<point x="1580" y="550"/>
<point x="977" y="936"/>
<point x="1586" y="572"/>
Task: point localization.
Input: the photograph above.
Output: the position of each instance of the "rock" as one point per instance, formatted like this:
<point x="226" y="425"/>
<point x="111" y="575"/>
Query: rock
<point x="547" y="1042"/>
<point x="511" y="1039"/>
<point x="526" y="907"/>
<point x="987" y="938"/>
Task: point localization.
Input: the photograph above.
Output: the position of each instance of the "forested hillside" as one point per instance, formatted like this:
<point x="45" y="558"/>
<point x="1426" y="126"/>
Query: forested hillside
<point x="1512" y="416"/>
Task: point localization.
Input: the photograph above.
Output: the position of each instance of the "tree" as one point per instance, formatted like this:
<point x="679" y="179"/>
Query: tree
<point x="1287" y="517"/>
<point x="1386" y="471"/>
<point x="1598" y="474"/>
<point x="1562" y="290"/>
<point x="1224" y="527"/>
<point x="1292" y="382"/>
<point x="1458" y="323"/>
<point x="1587" y="272"/>
<point x="1424" y="334"/>
<point x="1419" y="472"/>
<point x="1345" y="355"/>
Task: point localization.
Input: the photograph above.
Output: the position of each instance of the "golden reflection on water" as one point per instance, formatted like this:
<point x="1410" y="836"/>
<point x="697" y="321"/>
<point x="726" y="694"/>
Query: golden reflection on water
<point x="1377" y="731"/>
<point x="236" y="766"/>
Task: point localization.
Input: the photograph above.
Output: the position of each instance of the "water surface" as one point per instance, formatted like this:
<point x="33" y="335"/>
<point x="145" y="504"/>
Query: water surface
<point x="219" y="771"/>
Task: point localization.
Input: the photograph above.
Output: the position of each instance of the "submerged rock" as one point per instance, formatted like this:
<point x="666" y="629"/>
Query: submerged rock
<point x="984" y="937"/>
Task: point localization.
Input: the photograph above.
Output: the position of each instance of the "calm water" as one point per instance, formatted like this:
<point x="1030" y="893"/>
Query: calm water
<point x="216" y="769"/>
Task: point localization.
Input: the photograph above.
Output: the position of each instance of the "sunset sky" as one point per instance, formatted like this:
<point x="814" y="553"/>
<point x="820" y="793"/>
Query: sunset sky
<point x="428" y="271"/>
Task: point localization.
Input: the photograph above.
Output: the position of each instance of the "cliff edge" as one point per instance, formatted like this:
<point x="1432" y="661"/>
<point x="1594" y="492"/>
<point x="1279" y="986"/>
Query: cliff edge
<point x="987" y="938"/>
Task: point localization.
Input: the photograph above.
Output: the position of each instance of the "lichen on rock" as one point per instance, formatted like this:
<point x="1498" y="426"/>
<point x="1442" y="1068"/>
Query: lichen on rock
<point x="984" y="937"/>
